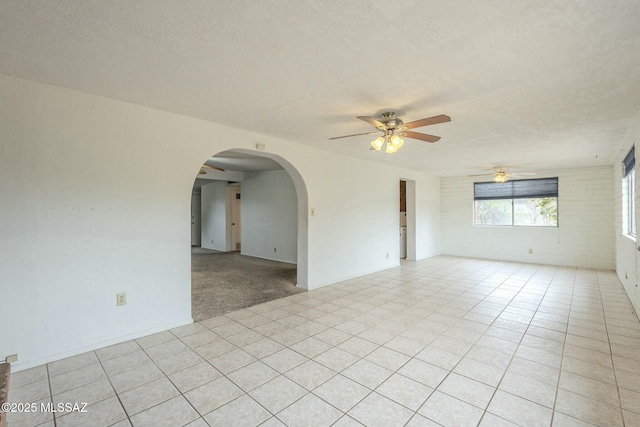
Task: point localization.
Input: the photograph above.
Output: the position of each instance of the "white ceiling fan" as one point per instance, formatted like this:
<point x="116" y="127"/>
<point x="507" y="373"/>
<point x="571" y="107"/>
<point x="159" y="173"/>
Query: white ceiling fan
<point x="502" y="174"/>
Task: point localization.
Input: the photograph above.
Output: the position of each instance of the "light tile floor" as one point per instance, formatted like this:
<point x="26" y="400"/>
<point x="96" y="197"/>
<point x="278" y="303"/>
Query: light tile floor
<point x="445" y="341"/>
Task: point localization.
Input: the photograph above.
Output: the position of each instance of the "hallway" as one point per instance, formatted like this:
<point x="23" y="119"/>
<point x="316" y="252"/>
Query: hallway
<point x="227" y="281"/>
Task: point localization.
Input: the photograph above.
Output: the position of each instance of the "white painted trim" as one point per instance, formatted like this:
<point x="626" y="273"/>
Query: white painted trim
<point x="410" y="196"/>
<point x="270" y="259"/>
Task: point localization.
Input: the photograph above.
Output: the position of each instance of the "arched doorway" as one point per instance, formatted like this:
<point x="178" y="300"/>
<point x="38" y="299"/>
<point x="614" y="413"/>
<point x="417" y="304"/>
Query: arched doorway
<point x="272" y="198"/>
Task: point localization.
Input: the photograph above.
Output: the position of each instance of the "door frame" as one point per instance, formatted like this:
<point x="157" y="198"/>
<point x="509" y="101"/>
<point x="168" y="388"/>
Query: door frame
<point x="231" y="191"/>
<point x="410" y="194"/>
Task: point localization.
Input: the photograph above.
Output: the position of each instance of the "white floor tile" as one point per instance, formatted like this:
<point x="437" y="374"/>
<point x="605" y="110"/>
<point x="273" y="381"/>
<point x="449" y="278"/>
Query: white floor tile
<point x="437" y="336"/>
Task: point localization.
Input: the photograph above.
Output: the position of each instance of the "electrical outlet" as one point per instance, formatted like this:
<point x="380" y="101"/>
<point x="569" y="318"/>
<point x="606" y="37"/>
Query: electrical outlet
<point x="121" y="298"/>
<point x="530" y="251"/>
<point x="313" y="212"/>
<point x="387" y="254"/>
<point x="12" y="359"/>
<point x="275" y="250"/>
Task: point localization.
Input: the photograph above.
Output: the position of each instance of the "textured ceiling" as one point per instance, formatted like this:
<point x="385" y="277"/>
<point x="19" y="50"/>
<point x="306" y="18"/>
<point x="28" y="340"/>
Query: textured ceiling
<point x="535" y="85"/>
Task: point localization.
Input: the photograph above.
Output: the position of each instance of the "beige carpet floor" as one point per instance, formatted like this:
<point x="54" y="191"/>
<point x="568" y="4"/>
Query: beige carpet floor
<point x="226" y="281"/>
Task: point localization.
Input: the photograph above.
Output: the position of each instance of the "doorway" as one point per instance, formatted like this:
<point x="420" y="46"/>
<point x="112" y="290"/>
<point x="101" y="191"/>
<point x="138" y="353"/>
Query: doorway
<point x="407" y="221"/>
<point x="403" y="219"/>
<point x="253" y="223"/>
<point x="195" y="218"/>
<point x="234" y="225"/>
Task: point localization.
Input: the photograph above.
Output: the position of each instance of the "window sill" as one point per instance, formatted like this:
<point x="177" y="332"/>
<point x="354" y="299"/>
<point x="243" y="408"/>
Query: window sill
<point x="527" y="227"/>
<point x="630" y="237"/>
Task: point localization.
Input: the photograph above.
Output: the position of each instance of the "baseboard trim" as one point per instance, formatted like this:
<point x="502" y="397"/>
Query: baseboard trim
<point x="20" y="366"/>
<point x="269" y="259"/>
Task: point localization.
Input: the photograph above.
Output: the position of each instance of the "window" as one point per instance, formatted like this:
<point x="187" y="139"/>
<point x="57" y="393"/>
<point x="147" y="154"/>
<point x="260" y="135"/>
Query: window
<point x="525" y="202"/>
<point x="629" y="192"/>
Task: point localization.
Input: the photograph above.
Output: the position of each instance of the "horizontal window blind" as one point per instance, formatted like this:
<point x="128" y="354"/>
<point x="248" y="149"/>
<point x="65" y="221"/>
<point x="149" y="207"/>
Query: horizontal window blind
<point x="629" y="162"/>
<point x="516" y="189"/>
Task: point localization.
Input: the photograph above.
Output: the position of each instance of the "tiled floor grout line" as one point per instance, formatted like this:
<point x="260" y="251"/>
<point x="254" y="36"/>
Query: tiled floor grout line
<point x="337" y="373"/>
<point x="474" y="343"/>
<point x="279" y="373"/>
<point x="549" y="284"/>
<point x="223" y="375"/>
<point x="112" y="388"/>
<point x="516" y="349"/>
<point x="144" y="350"/>
<point x="371" y="391"/>
<point x="439" y="335"/>
<point x="55" y="420"/>
<point x="469" y="310"/>
<point x="484" y="410"/>
<point x="613" y="365"/>
<point x="611" y="354"/>
<point x="529" y="323"/>
<point x="282" y="374"/>
<point x="564" y="344"/>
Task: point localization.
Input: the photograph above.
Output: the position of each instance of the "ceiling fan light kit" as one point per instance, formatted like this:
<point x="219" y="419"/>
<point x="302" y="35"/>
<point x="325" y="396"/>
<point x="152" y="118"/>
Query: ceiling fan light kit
<point x="500" y="177"/>
<point x="394" y="143"/>
<point x="377" y="143"/>
<point x="393" y="129"/>
<point x="391" y="148"/>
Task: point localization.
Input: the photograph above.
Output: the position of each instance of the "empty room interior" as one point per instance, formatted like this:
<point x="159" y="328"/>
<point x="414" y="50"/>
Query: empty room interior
<point x="421" y="213"/>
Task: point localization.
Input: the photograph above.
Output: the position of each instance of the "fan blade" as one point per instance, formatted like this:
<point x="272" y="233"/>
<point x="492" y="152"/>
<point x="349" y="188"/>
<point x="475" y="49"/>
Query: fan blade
<point x="426" y="122"/>
<point x="420" y="136"/>
<point x="355" y="134"/>
<point x="373" y="121"/>
<point x="522" y="174"/>
<point x="213" y="167"/>
<point x="483" y="174"/>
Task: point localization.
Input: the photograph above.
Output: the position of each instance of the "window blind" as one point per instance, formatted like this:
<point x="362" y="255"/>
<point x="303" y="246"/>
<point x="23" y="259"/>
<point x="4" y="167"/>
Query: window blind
<point x="516" y="189"/>
<point x="629" y="162"/>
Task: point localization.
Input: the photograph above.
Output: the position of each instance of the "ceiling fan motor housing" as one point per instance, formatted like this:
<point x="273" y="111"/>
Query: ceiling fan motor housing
<point x="390" y="120"/>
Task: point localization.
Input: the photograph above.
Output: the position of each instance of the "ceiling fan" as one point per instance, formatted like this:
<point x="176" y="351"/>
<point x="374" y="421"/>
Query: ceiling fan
<point x="391" y="130"/>
<point x="502" y="174"/>
<point x="203" y="171"/>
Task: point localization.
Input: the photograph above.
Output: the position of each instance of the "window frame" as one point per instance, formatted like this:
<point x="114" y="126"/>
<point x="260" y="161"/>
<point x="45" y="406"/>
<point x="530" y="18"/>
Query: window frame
<point x="629" y="194"/>
<point x="523" y="189"/>
<point x="631" y="203"/>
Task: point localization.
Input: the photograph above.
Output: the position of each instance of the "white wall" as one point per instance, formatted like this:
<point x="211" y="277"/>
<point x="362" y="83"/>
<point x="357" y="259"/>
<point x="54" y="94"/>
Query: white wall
<point x="428" y="211"/>
<point x="214" y="215"/>
<point x="584" y="237"/>
<point x="626" y="254"/>
<point x="269" y="216"/>
<point x="86" y="213"/>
